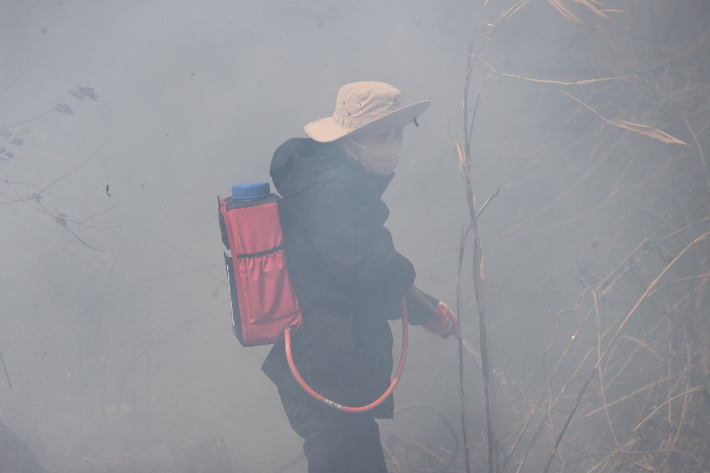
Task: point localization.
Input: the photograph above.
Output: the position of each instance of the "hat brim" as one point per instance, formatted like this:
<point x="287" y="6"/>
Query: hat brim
<point x="326" y="130"/>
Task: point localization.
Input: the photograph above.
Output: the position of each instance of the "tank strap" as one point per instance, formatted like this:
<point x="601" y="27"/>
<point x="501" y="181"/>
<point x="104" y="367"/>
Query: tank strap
<point x="260" y="253"/>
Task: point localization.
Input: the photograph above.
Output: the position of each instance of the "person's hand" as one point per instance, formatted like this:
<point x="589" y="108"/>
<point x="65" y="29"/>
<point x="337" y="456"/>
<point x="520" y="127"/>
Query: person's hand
<point x="444" y="324"/>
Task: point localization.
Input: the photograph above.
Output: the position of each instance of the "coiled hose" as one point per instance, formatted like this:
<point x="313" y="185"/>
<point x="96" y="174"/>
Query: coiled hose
<point x="335" y="405"/>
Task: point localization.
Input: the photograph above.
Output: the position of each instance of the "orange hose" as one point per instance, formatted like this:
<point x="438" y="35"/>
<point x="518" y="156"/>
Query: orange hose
<point x="335" y="405"/>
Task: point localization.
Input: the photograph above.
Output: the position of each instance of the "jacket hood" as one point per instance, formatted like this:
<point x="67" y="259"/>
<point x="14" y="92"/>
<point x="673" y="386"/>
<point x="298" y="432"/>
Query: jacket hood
<point x="301" y="163"/>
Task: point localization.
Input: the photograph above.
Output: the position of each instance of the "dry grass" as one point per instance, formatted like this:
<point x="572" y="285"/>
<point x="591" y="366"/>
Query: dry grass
<point x="626" y="367"/>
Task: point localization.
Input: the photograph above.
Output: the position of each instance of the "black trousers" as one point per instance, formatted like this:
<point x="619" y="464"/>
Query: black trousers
<point x="334" y="441"/>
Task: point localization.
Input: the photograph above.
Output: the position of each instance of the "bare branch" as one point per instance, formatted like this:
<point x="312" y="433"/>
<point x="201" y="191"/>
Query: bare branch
<point x="10" y="85"/>
<point x="76" y="168"/>
<point x="45" y="113"/>
<point x="498" y="191"/>
<point x="637" y="127"/>
<point x="96" y="214"/>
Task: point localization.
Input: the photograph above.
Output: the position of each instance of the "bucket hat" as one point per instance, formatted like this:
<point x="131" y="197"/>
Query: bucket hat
<point x="362" y="106"/>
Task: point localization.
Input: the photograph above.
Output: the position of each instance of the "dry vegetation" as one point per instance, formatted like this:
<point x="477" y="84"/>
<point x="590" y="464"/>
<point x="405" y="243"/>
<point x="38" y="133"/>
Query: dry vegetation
<point x="626" y="366"/>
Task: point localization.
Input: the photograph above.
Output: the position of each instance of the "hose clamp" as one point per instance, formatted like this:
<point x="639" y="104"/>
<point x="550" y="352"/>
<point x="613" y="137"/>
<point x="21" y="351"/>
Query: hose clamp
<point x="332" y="404"/>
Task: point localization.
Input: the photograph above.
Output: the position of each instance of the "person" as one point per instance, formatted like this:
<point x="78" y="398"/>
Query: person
<point x="348" y="278"/>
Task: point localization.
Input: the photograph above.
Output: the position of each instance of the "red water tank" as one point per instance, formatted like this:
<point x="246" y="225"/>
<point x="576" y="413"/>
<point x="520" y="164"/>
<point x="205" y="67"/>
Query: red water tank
<point x="263" y="300"/>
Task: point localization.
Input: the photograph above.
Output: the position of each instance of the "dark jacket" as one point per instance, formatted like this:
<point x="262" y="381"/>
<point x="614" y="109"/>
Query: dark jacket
<point x="348" y="277"/>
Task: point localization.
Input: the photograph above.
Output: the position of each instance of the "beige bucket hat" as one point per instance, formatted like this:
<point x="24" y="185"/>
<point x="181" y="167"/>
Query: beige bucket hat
<point x="362" y="106"/>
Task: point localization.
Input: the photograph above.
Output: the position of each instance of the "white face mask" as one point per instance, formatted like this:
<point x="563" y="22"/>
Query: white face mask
<point x="376" y="158"/>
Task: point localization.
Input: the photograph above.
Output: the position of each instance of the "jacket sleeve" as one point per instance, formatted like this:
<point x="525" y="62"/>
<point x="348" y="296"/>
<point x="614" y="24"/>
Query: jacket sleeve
<point x="417" y="313"/>
<point x="357" y="252"/>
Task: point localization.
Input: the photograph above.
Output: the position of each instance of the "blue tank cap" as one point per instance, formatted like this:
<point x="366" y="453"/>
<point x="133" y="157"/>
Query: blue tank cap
<point x="251" y="190"/>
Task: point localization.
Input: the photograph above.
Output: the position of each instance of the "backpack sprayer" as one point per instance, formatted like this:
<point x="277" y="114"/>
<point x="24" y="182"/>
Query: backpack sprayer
<point x="264" y="305"/>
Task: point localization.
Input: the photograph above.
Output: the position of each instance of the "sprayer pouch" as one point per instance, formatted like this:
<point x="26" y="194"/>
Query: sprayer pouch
<point x="263" y="300"/>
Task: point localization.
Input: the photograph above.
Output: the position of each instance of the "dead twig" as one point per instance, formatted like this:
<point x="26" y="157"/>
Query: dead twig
<point x="463" y="152"/>
<point x="501" y="187"/>
<point x="685" y="393"/>
<point x="635" y="127"/>
<point x="7" y="375"/>
<point x="11" y="83"/>
<point x="624" y="398"/>
<point x="446" y="422"/>
<point x="393" y="458"/>
<point x="75" y="169"/>
<point x="39" y="117"/>
<point x="648" y="290"/>
<point x="611" y="343"/>
<point x="61" y="219"/>
<point x="99" y="213"/>
<point x="700" y="150"/>
<point x="459" y="335"/>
